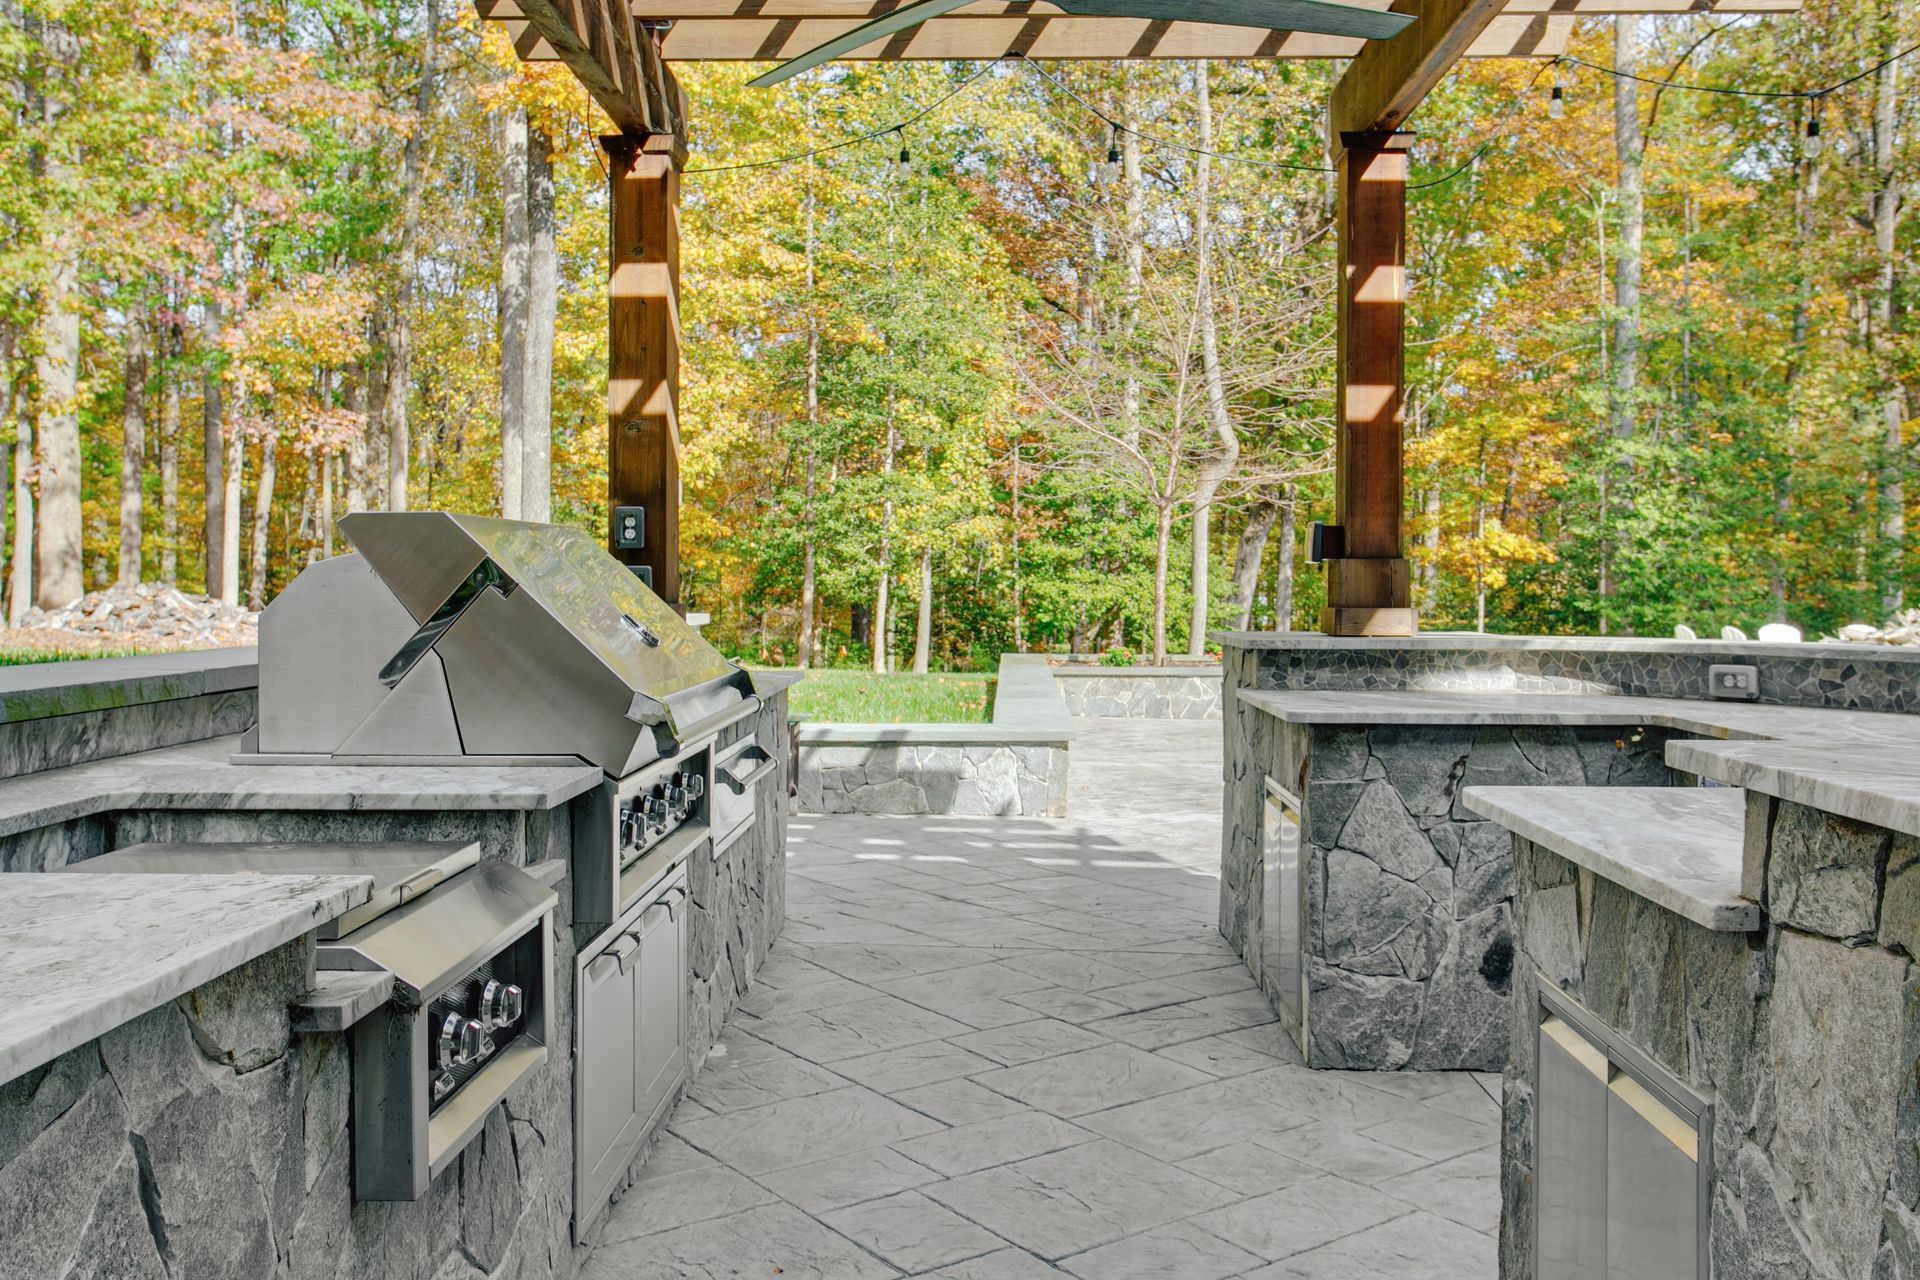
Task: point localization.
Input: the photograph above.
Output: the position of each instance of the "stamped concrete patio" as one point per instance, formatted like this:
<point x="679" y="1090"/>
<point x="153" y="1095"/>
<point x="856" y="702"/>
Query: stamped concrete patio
<point x="1001" y="1049"/>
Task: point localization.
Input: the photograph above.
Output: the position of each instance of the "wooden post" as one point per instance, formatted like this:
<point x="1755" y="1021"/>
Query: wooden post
<point x="1369" y="589"/>
<point x="643" y="348"/>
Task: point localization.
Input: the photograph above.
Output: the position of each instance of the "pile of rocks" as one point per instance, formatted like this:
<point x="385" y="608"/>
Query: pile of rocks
<point x="1904" y="628"/>
<point x="149" y="617"/>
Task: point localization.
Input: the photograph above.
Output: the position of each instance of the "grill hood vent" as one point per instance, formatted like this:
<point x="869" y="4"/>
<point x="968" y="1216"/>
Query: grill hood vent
<point x="451" y="636"/>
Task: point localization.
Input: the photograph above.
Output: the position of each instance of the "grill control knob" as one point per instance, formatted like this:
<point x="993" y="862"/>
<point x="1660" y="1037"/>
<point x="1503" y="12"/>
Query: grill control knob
<point x="677" y="798"/>
<point x="501" y="1004"/>
<point x="447" y="1051"/>
<point x="696" y="786"/>
<point x="473" y="1039"/>
<point x="655" y="808"/>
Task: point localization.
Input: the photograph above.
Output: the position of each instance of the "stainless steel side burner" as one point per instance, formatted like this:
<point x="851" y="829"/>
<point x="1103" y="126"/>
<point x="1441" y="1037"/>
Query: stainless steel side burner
<point x="470" y="948"/>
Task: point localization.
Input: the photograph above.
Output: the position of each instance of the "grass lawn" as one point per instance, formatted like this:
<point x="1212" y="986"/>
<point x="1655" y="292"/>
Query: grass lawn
<point x="22" y="655"/>
<point x="860" y="697"/>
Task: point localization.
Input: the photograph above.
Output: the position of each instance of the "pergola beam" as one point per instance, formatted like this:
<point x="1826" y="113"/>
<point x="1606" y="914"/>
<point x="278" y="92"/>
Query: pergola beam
<point x="1390" y="78"/>
<point x="616" y="60"/>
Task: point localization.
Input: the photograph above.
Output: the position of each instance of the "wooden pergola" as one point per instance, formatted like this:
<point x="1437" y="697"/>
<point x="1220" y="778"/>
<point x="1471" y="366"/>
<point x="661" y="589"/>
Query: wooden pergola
<point x="623" y="57"/>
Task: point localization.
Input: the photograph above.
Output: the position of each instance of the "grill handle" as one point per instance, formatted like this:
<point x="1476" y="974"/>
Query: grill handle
<point x="720" y="720"/>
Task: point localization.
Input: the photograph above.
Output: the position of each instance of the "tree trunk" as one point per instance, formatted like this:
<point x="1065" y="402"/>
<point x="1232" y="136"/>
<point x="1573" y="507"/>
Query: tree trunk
<point x="1283" y="567"/>
<point x="1246" y="559"/>
<point x="1629" y="153"/>
<point x="1162" y="536"/>
<point x="1134" y="195"/>
<point x="329" y="464"/>
<point x="514" y="251"/>
<point x="1216" y="470"/>
<point x="262" y="518"/>
<point x="923" y="626"/>
<point x="1887" y="201"/>
<point x="58" y="366"/>
<point x="356" y="460"/>
<point x="395" y="406"/>
<point x="881" y="634"/>
<point x="543" y="292"/>
<point x="133" y="447"/>
<point x="233" y="473"/>
<point x="170" y="471"/>
<point x="213" y="445"/>
<point x="20" y="590"/>
<point x="804" y="658"/>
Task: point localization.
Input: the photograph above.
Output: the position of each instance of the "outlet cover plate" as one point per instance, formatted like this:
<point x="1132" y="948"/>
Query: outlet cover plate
<point x="1734" y="680"/>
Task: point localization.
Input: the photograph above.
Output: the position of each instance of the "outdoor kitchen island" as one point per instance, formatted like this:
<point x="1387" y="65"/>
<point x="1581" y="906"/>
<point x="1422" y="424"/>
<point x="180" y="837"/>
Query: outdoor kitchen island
<point x="248" y="1074"/>
<point x="1370" y="902"/>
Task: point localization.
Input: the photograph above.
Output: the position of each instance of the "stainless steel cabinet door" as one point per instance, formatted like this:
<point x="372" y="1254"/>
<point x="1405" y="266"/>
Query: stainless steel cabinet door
<point x="1653" y="1179"/>
<point x="660" y="1057"/>
<point x="1280" y="908"/>
<point x="606" y="1066"/>
<point x="1571" y="1159"/>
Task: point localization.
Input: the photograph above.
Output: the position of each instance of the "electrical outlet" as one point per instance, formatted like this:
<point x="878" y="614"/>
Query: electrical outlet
<point x="629" y="528"/>
<point x="1731" y="680"/>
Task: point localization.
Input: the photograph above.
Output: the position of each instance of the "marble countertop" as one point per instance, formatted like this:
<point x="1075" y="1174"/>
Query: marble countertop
<point x="199" y="775"/>
<point x="1863" y="765"/>
<point x="1470" y="641"/>
<point x="1748" y="720"/>
<point x="1678" y="847"/>
<point x="85" y="954"/>
<point x="37" y="690"/>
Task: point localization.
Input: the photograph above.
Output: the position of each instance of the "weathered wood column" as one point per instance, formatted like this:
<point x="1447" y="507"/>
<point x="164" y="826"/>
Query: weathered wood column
<point x="643" y="349"/>
<point x="1369" y="588"/>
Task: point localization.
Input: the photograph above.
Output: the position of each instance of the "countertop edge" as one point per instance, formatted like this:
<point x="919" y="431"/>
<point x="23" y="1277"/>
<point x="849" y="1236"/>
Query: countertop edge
<point x="1728" y="914"/>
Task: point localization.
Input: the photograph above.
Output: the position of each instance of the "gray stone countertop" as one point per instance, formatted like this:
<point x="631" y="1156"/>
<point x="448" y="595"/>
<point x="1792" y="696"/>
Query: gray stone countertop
<point x="1469" y="641"/>
<point x="85" y="954"/>
<point x="1863" y="765"/>
<point x="1747" y="720"/>
<point x="1864" y="778"/>
<point x="1678" y="847"/>
<point x="41" y="689"/>
<point x="199" y="775"/>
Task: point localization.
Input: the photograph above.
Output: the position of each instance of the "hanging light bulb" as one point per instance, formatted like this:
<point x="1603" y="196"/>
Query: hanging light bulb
<point x="1109" y="170"/>
<point x="1557" y="103"/>
<point x="906" y="157"/>
<point x="1810" y="145"/>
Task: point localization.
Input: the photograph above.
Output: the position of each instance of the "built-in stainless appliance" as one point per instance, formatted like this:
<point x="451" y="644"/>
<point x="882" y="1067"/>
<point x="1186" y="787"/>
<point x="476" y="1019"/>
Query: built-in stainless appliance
<point x="469" y="945"/>
<point x="632" y="1029"/>
<point x="1623" y="1183"/>
<point x="1282" y="869"/>
<point x="453" y="639"/>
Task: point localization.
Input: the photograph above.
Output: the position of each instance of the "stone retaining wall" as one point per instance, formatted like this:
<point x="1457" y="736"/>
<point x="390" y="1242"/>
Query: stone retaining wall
<point x="57" y="714"/>
<point x="1141" y="693"/>
<point x="1408" y="935"/>
<point x="1014" y="767"/>
<point x="1805" y="1034"/>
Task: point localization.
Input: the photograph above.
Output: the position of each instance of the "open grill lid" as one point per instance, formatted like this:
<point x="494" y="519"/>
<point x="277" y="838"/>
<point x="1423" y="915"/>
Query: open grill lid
<point x="450" y="636"/>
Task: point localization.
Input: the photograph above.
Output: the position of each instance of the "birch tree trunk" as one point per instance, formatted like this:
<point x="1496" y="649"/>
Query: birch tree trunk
<point x="1629" y="154"/>
<point x="1887" y="201"/>
<point x="170" y="471"/>
<point x="213" y="445"/>
<point x="543" y="293"/>
<point x="133" y="448"/>
<point x="20" y="590"/>
<point x="262" y="520"/>
<point x="804" y="657"/>
<point x="1136" y="228"/>
<point x="233" y="474"/>
<point x="1221" y="465"/>
<point x="356" y="460"/>
<point x="58" y="580"/>
<point x="923" y="626"/>
<point x="1162" y="537"/>
<point x="395" y="405"/>
<point x="1246" y="559"/>
<point x="1283" y="562"/>
<point x="514" y="252"/>
<point x="881" y="618"/>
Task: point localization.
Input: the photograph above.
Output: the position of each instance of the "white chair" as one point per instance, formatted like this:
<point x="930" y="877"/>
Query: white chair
<point x="1733" y="633"/>
<point x="1684" y="632"/>
<point x="1780" y="633"/>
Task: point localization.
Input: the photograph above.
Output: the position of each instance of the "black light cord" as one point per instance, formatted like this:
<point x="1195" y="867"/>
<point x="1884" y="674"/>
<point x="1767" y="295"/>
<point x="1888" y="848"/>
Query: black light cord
<point x="1735" y="91"/>
<point x="855" y="141"/>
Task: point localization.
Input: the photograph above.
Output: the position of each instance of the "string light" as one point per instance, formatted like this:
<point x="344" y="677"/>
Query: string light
<point x="1109" y="169"/>
<point x="906" y="157"/>
<point x="1557" y="100"/>
<point x="1810" y="145"/>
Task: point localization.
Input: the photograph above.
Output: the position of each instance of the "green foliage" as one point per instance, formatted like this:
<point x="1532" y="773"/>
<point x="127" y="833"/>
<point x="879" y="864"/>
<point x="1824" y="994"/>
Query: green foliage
<point x="853" y="697"/>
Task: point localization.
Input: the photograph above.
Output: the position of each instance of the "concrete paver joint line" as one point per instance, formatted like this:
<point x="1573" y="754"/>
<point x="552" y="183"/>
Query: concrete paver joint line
<point x="1015" y="1049"/>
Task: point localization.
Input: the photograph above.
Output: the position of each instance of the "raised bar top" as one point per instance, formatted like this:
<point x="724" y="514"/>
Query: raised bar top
<point x="1678" y="847"/>
<point x="199" y="775"/>
<point x="1738" y="720"/>
<point x="1471" y="641"/>
<point x="1859" y="778"/>
<point x="37" y="690"/>
<point x="85" y="954"/>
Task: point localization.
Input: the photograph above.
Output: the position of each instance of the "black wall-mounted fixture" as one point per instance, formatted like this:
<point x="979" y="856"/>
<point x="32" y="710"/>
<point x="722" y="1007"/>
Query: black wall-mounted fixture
<point x="1326" y="542"/>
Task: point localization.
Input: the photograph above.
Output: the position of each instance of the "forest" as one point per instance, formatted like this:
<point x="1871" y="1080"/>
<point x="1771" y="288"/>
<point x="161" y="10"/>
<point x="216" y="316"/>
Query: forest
<point x="976" y="357"/>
